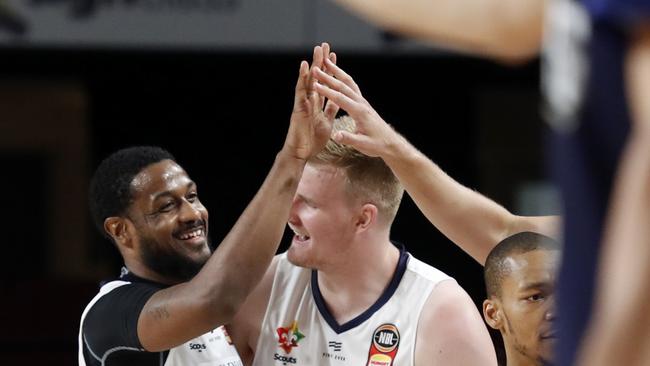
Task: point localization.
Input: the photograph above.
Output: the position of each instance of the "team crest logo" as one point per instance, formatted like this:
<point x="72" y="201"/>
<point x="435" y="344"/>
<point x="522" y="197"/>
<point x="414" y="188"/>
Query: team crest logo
<point x="384" y="346"/>
<point x="288" y="337"/>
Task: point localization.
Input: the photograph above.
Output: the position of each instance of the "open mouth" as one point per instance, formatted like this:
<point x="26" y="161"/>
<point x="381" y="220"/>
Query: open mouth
<point x="299" y="236"/>
<point x="193" y="234"/>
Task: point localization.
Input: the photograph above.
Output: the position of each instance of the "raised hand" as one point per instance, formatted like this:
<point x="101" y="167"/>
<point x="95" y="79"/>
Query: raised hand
<point x="311" y="119"/>
<point x="373" y="136"/>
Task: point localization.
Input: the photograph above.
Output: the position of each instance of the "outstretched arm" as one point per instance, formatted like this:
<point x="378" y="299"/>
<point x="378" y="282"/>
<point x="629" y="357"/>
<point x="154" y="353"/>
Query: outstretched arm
<point x="508" y="30"/>
<point x="182" y="312"/>
<point x="472" y="221"/>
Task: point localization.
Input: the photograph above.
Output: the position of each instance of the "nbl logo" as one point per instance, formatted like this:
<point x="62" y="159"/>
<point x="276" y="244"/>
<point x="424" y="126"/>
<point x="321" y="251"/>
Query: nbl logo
<point x="384" y="346"/>
<point x="386" y="338"/>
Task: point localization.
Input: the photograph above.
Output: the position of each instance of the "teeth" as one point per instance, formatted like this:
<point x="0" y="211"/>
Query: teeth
<point x="301" y="237"/>
<point x="192" y="234"/>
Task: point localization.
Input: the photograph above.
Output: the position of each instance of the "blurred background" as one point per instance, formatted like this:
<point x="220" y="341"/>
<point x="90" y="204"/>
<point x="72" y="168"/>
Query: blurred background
<point x="212" y="81"/>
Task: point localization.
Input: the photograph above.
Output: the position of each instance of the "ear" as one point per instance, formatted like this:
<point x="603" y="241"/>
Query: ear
<point x="367" y="216"/>
<point x="492" y="313"/>
<point x="118" y="228"/>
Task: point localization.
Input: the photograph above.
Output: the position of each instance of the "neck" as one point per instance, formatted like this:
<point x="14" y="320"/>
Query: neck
<point x="142" y="271"/>
<point x="352" y="288"/>
<point x="516" y="358"/>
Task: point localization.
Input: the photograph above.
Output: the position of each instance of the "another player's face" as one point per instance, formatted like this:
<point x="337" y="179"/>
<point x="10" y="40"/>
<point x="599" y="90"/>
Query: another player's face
<point x="322" y="217"/>
<point x="527" y="299"/>
<point x="171" y="222"/>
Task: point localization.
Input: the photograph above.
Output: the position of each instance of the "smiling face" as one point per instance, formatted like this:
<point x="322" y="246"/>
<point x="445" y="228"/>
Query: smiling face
<point x="322" y="217"/>
<point x="525" y="306"/>
<point x="170" y="222"/>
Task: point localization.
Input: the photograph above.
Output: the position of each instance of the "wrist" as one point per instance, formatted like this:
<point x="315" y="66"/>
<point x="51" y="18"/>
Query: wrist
<point x="285" y="158"/>
<point x="398" y="150"/>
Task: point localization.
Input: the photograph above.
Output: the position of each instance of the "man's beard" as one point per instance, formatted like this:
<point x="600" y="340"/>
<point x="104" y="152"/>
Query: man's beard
<point x="169" y="264"/>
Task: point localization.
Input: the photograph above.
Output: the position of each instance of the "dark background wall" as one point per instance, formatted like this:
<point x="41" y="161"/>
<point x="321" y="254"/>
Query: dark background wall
<point x="224" y="116"/>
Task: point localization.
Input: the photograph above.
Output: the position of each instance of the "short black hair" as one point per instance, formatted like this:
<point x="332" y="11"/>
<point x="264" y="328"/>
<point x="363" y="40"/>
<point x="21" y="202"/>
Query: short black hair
<point x="496" y="270"/>
<point x="110" y="187"/>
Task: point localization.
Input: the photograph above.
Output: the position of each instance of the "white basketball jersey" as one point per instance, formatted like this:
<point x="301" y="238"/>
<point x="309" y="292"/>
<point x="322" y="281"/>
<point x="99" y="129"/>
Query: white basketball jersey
<point x="299" y="330"/>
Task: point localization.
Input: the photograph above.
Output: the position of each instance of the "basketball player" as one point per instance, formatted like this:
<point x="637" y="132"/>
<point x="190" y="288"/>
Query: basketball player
<point x="594" y="75"/>
<point x="173" y="295"/>
<point x="343" y="292"/>
<point x="520" y="281"/>
<point x="472" y="221"/>
<point x="520" y="266"/>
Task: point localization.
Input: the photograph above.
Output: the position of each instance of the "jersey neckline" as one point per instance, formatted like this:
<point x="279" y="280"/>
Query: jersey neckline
<point x="385" y="296"/>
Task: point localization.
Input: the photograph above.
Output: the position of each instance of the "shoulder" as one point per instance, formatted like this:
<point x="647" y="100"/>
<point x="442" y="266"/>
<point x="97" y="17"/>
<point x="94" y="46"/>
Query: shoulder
<point x="451" y="330"/>
<point x="448" y="302"/>
<point x="424" y="270"/>
<point x="111" y="318"/>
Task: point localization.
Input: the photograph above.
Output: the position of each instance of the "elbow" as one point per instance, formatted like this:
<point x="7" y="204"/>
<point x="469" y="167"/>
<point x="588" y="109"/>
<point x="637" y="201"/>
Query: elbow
<point x="517" y="50"/>
<point x="220" y="304"/>
<point x="517" y="56"/>
<point x="517" y="36"/>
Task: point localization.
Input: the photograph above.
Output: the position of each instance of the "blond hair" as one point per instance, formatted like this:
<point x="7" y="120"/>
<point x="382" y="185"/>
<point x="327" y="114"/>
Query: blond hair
<point x="368" y="178"/>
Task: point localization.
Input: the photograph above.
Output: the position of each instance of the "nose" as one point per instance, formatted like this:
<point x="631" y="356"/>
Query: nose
<point x="293" y="211"/>
<point x="549" y="315"/>
<point x="190" y="212"/>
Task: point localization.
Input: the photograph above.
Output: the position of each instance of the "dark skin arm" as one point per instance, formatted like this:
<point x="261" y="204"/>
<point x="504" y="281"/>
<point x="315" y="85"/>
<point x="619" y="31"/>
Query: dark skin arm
<point x="179" y="313"/>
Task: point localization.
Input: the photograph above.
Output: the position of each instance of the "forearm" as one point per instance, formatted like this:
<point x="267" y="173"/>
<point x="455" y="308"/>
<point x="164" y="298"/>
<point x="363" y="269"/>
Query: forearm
<point x="214" y="295"/>
<point x="243" y="256"/>
<point x="502" y="29"/>
<point x="469" y="219"/>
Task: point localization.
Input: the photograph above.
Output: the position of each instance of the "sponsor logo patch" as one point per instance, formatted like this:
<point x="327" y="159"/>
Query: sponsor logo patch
<point x="384" y="345"/>
<point x="284" y="359"/>
<point x="335" y="346"/>
<point x="288" y="337"/>
<point x="197" y="346"/>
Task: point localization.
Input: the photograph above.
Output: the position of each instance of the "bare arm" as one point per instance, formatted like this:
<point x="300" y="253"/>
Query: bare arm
<point x="621" y="324"/>
<point x="469" y="219"/>
<point x="451" y="330"/>
<point x="182" y="312"/>
<point x="246" y="325"/>
<point x="472" y="221"/>
<point x="503" y="29"/>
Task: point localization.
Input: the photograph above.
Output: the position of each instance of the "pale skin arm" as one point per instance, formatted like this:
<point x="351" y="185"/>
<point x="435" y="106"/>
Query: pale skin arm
<point x="507" y="30"/>
<point x="246" y="324"/>
<point x="620" y="329"/>
<point x="451" y="330"/>
<point x="184" y="311"/>
<point x="469" y="219"/>
<point x="245" y="327"/>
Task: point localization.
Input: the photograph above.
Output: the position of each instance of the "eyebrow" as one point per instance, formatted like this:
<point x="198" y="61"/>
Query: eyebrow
<point x="169" y="193"/>
<point x="536" y="285"/>
<point x="307" y="200"/>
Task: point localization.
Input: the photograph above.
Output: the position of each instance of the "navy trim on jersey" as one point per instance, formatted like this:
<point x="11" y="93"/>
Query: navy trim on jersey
<point x="388" y="293"/>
